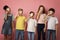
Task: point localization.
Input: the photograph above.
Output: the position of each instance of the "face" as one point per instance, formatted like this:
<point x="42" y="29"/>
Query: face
<point x="50" y="12"/>
<point x="31" y="15"/>
<point x="20" y="12"/>
<point x="41" y="9"/>
<point x="8" y="10"/>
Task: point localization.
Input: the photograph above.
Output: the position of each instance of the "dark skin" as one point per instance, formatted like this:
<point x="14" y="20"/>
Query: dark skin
<point x="8" y="37"/>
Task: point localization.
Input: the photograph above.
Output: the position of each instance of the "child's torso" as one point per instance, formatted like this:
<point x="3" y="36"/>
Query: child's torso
<point x="41" y="18"/>
<point x="20" y="22"/>
<point x="31" y="25"/>
<point x="51" y="23"/>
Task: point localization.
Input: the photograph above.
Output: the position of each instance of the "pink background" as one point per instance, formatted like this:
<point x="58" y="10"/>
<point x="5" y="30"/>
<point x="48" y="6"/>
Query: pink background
<point x="27" y="6"/>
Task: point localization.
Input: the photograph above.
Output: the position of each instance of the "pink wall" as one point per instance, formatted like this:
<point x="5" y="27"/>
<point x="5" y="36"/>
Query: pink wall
<point x="29" y="5"/>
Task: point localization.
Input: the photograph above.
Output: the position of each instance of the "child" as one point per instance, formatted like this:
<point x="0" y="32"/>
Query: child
<point x="20" y="24"/>
<point x="32" y="24"/>
<point x="8" y="21"/>
<point x="52" y="24"/>
<point x="41" y="25"/>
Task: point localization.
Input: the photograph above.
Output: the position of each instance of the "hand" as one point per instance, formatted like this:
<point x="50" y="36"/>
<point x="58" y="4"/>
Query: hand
<point x="56" y="33"/>
<point x="48" y="14"/>
<point x="13" y="30"/>
<point x="35" y="33"/>
<point x="28" y="18"/>
<point x="44" y="29"/>
<point x="40" y="11"/>
<point x="24" y="29"/>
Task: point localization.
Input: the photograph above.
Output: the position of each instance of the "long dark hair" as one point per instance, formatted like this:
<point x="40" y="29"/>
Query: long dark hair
<point x="40" y="7"/>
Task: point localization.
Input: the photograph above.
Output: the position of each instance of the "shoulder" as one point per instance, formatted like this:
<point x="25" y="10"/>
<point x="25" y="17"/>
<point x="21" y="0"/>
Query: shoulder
<point x="11" y="14"/>
<point x="5" y="14"/>
<point x="44" y="14"/>
<point x="35" y="20"/>
<point x="23" y="16"/>
<point x="16" y="17"/>
<point x="56" y="18"/>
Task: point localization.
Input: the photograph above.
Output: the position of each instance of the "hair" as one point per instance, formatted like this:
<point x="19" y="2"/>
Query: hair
<point x="40" y="7"/>
<point x="52" y="9"/>
<point x="20" y="9"/>
<point x="5" y="7"/>
<point x="32" y="12"/>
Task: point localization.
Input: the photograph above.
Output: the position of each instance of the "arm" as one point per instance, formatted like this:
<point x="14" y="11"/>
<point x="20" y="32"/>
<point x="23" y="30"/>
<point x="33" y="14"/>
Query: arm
<point x="45" y="28"/>
<point x="12" y="22"/>
<point x="56" y="28"/>
<point x="25" y="26"/>
<point x="27" y="19"/>
<point x="46" y="20"/>
<point x="16" y="17"/>
<point x="38" y="14"/>
<point x="35" y="30"/>
<point x="35" y="26"/>
<point x="12" y="25"/>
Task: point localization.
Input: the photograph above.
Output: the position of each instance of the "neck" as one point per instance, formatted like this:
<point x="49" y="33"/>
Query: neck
<point x="52" y="15"/>
<point x="20" y="15"/>
<point x="32" y="17"/>
<point x="8" y="13"/>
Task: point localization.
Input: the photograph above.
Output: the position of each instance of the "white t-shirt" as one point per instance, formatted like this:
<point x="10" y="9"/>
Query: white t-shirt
<point x="52" y="21"/>
<point x="41" y="18"/>
<point x="32" y="23"/>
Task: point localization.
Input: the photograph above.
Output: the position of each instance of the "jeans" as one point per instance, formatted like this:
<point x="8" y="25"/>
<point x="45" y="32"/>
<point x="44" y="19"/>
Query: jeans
<point x="30" y="35"/>
<point x="51" y="32"/>
<point x="19" y="33"/>
<point x="40" y="30"/>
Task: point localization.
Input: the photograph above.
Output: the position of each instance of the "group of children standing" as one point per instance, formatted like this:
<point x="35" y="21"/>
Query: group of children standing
<point x="39" y="23"/>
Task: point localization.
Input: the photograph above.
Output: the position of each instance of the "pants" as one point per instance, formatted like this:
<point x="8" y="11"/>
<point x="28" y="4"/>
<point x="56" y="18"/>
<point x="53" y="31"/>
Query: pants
<point x="19" y="33"/>
<point x="40" y="30"/>
<point x="51" y="32"/>
<point x="30" y="35"/>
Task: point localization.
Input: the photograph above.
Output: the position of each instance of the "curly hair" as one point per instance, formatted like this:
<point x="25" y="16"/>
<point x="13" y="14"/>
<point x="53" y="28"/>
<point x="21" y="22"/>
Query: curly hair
<point x="5" y="7"/>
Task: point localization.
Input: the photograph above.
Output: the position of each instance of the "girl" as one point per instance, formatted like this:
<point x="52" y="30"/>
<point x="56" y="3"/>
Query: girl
<point x="41" y="22"/>
<point x="7" y="26"/>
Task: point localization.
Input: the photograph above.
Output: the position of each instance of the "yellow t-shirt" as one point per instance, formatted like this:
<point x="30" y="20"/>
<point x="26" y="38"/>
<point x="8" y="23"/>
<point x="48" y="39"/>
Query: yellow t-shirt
<point x="20" y="23"/>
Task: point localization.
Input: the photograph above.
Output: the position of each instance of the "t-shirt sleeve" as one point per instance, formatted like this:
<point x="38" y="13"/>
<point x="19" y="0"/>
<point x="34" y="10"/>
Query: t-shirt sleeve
<point x="56" y="21"/>
<point x="25" y="19"/>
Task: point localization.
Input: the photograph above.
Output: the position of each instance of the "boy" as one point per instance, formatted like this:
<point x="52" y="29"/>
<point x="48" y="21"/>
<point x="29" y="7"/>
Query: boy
<point x="20" y="25"/>
<point x="32" y="24"/>
<point x="52" y="24"/>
